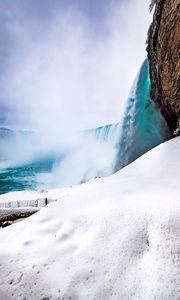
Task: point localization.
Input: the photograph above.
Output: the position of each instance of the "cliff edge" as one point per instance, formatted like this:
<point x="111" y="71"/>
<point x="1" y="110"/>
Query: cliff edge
<point x="164" y="58"/>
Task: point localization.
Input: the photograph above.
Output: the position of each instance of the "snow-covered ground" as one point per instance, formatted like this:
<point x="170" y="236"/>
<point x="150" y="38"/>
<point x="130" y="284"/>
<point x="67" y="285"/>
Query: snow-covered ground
<point x="113" y="238"/>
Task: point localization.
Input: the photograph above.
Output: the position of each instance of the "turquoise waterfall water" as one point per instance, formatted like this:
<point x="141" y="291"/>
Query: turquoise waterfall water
<point x="143" y="126"/>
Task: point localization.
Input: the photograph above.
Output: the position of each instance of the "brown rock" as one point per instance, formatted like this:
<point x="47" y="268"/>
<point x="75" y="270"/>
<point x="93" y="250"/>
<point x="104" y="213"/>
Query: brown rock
<point x="164" y="57"/>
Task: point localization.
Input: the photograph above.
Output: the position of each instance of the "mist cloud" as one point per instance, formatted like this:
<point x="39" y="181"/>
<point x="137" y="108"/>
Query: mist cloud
<point x="62" y="74"/>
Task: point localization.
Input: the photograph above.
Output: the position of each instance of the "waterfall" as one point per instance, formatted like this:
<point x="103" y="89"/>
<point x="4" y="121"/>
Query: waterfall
<point x="143" y="126"/>
<point x="93" y="153"/>
<point x="108" y="133"/>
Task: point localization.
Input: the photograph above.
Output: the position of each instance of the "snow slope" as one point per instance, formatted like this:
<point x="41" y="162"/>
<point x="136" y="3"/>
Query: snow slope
<point x="113" y="238"/>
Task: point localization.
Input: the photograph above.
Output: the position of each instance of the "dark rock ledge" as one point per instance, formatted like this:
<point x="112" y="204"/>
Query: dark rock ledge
<point x="164" y="57"/>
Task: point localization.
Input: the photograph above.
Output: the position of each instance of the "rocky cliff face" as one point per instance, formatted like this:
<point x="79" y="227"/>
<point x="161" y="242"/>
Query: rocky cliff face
<point x="164" y="57"/>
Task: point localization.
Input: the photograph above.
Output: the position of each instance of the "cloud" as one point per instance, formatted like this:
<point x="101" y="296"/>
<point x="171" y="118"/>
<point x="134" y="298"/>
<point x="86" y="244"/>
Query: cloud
<point x="64" y="74"/>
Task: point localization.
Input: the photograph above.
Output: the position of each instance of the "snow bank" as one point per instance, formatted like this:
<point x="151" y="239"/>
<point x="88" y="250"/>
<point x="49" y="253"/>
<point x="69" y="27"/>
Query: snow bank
<point x="113" y="238"/>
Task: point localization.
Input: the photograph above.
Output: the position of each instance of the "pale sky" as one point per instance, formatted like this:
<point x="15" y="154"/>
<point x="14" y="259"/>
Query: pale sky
<point x="69" y="63"/>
